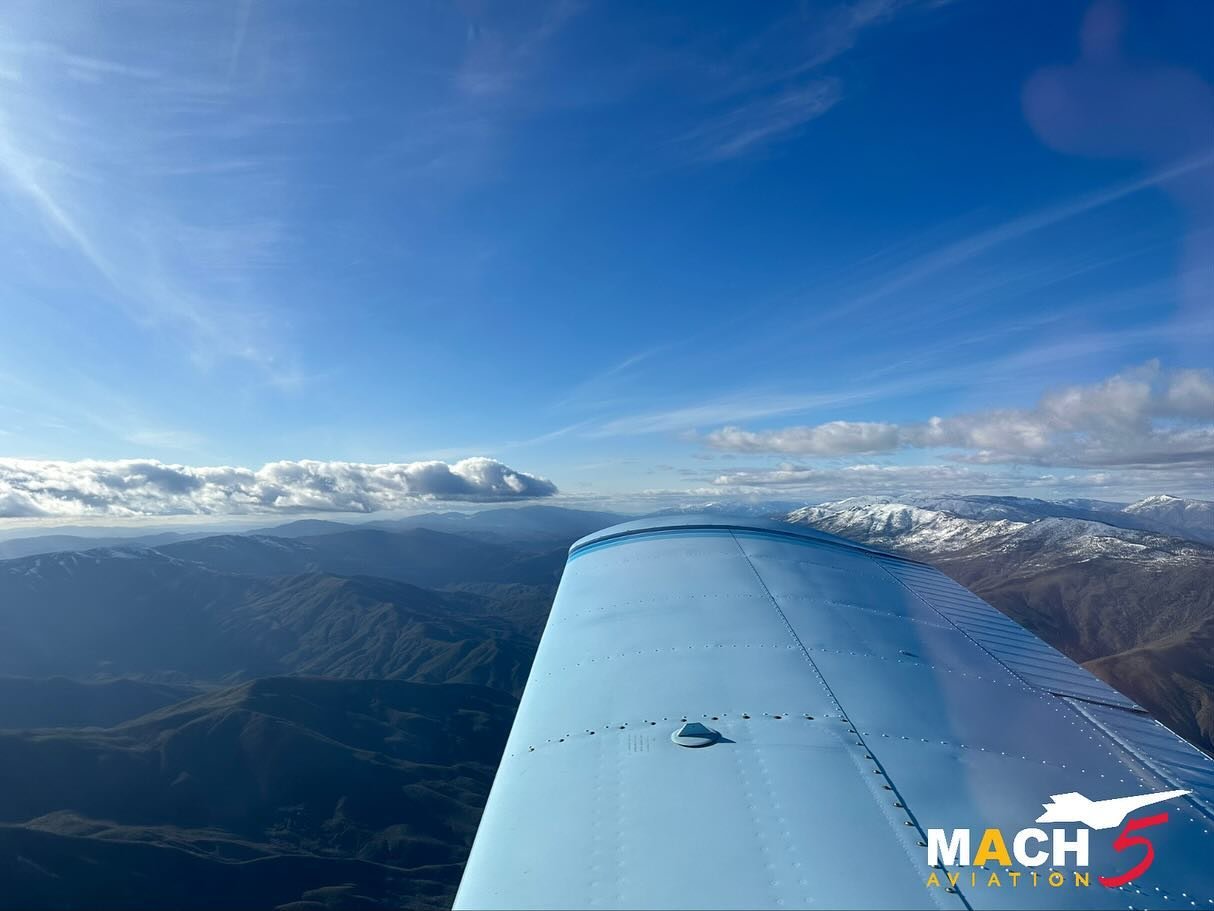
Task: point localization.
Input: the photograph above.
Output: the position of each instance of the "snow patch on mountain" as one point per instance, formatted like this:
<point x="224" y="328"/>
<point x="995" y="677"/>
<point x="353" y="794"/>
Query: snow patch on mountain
<point x="1192" y="519"/>
<point x="900" y="525"/>
<point x="942" y="532"/>
<point x="66" y="563"/>
<point x="766" y="509"/>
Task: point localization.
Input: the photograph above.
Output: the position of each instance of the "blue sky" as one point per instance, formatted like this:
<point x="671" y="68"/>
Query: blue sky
<point x="637" y="250"/>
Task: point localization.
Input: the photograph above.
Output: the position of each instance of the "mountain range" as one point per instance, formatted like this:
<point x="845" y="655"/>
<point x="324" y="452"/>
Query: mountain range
<point x="517" y="526"/>
<point x="308" y="715"/>
<point x="258" y="720"/>
<point x="149" y="613"/>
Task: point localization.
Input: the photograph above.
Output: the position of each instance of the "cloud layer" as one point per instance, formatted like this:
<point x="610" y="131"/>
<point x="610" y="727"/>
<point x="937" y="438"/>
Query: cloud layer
<point x="832" y="482"/>
<point x="1141" y="418"/>
<point x="149" y="488"/>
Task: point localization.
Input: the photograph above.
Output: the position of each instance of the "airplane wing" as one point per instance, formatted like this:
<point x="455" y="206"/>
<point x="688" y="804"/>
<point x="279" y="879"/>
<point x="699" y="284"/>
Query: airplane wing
<point x="841" y="702"/>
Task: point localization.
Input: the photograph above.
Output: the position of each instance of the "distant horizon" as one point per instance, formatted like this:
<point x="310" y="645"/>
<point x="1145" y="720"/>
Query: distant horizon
<point x="139" y="526"/>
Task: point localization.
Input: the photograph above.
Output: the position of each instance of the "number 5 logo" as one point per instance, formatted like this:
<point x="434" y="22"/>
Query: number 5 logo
<point x="1128" y="840"/>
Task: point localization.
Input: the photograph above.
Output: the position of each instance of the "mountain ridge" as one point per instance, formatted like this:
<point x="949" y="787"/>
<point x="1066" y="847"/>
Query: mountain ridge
<point x="230" y="626"/>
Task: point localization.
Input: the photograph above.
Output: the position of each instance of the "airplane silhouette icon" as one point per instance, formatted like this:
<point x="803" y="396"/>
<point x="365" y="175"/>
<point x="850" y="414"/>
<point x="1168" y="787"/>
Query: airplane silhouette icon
<point x="1099" y="814"/>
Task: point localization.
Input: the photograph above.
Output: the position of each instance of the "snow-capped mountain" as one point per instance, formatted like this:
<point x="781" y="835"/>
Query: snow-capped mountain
<point x="1079" y="530"/>
<point x="68" y="563"/>
<point x="1193" y="519"/>
<point x="888" y="523"/>
<point x="763" y="509"/>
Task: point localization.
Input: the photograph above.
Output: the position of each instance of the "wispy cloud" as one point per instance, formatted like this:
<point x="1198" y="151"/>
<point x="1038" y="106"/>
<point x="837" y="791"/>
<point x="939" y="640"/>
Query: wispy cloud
<point x="959" y="252"/>
<point x="91" y="413"/>
<point x="94" y="147"/>
<point x="743" y="406"/>
<point x="593" y="389"/>
<point x="753" y="403"/>
<point x="499" y="55"/>
<point x="769" y="88"/>
<point x="134" y="487"/>
<point x="806" y="38"/>
<point x="760" y="122"/>
<point x="244" y="10"/>
<point x="959" y="361"/>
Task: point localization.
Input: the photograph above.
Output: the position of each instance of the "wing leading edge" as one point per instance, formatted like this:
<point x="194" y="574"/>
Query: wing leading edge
<point x="841" y="703"/>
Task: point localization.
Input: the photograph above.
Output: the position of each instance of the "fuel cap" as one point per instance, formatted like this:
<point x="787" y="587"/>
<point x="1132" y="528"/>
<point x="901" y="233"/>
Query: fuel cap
<point x="694" y="734"/>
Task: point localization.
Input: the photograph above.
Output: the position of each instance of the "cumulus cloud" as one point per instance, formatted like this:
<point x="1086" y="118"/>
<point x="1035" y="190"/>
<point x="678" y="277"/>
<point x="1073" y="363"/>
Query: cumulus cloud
<point x="1146" y="417"/>
<point x="135" y="487"/>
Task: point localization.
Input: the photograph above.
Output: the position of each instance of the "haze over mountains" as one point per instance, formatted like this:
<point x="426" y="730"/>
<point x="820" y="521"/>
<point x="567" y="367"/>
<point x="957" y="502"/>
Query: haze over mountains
<point x="309" y="715"/>
<point x="156" y="755"/>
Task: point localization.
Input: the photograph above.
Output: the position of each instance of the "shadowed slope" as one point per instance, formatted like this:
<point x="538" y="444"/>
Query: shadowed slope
<point x="256" y="795"/>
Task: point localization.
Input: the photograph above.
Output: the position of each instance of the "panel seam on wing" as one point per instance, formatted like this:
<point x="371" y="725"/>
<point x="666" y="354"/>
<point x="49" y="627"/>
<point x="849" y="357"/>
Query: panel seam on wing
<point x="911" y="820"/>
<point x="1045" y="691"/>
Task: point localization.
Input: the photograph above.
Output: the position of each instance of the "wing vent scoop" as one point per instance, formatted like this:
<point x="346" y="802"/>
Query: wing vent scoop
<point x="694" y="734"/>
